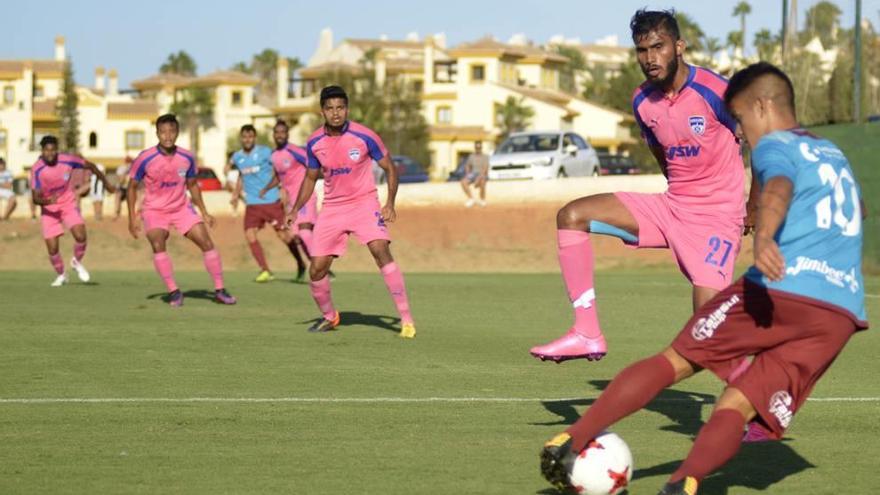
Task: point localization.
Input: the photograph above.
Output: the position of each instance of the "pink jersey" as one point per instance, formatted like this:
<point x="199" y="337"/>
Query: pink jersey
<point x="347" y="162"/>
<point x="290" y="166"/>
<point x="54" y="180"/>
<point x="164" y="177"/>
<point x="697" y="134"/>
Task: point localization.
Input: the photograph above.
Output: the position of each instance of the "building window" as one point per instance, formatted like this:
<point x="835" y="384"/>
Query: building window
<point x="478" y="73"/>
<point x="39" y="92"/>
<point x="445" y="72"/>
<point x="93" y="140"/>
<point x="444" y="115"/>
<point x="9" y="95"/>
<point x="134" y="140"/>
<point x="4" y="136"/>
<point x="418" y="87"/>
<point x="236" y="98"/>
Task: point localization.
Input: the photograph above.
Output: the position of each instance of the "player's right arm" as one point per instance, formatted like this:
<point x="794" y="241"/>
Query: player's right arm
<point x="134" y="224"/>
<point x="772" y="208"/>
<point x="272" y="184"/>
<point x="660" y="156"/>
<point x="305" y="190"/>
<point x="39" y="199"/>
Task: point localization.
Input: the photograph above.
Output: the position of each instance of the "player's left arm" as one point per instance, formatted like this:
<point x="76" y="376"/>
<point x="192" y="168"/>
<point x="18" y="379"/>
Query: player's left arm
<point x="195" y="193"/>
<point x="91" y="167"/>
<point x="752" y="205"/>
<point x="773" y="203"/>
<point x="660" y="156"/>
<point x="271" y="185"/>
<point x="388" y="212"/>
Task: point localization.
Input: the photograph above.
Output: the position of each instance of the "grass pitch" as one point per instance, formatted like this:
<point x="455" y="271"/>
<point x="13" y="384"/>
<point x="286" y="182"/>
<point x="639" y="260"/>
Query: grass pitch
<point x="212" y="399"/>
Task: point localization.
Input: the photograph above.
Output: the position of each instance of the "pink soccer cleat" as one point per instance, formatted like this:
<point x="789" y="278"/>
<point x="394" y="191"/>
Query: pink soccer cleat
<point x="572" y="345"/>
<point x="756" y="432"/>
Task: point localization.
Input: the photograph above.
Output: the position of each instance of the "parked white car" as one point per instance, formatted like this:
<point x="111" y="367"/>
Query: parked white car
<point x="543" y="155"/>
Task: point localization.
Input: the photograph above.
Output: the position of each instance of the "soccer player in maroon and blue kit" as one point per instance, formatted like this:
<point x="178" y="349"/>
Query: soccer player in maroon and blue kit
<point x="53" y="192"/>
<point x="168" y="172"/>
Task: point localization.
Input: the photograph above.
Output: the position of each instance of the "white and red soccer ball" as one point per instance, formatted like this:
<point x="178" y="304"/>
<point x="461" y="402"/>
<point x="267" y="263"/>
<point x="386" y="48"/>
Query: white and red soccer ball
<point x="604" y="467"/>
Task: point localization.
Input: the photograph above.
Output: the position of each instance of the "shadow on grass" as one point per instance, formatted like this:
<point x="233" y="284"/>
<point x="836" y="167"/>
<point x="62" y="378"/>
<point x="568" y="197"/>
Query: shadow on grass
<point x="351" y="318"/>
<point x="757" y="466"/>
<point x="206" y="295"/>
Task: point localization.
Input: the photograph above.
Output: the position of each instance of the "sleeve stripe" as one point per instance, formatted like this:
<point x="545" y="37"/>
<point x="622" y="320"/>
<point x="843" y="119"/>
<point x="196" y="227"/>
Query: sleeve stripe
<point x="142" y="168"/>
<point x="375" y="151"/>
<point x="311" y="159"/>
<point x="717" y="105"/>
<point x="648" y="134"/>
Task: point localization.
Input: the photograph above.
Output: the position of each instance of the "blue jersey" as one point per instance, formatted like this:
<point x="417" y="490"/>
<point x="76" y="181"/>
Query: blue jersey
<point x="256" y="171"/>
<point x="821" y="236"/>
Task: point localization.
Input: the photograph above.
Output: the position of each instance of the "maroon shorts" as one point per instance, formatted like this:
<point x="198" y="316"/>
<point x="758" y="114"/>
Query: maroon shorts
<point x="256" y="216"/>
<point x="793" y="339"/>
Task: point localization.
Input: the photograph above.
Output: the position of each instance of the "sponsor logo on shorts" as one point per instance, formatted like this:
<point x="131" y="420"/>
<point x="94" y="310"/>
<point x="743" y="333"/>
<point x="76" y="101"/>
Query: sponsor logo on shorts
<point x="698" y="124"/>
<point x="840" y="278"/>
<point x="354" y="154"/>
<point x="682" y="152"/>
<point x="780" y="406"/>
<point x="340" y="171"/>
<point x="705" y="327"/>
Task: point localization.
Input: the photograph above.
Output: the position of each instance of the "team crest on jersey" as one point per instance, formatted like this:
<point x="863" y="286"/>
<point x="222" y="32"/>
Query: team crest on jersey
<point x="354" y="154"/>
<point x="698" y="124"/>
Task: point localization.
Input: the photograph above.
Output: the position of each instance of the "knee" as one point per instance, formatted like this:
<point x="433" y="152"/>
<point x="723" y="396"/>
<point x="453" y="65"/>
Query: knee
<point x="207" y="244"/>
<point x="318" y="270"/>
<point x="568" y="217"/>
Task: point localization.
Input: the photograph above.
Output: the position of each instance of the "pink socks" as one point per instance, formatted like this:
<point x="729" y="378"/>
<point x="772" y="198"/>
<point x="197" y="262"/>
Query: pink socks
<point x="163" y="267"/>
<point x="213" y="266"/>
<point x="576" y="261"/>
<point x="321" y="293"/>
<point x="79" y="250"/>
<point x="397" y="289"/>
<point x="57" y="263"/>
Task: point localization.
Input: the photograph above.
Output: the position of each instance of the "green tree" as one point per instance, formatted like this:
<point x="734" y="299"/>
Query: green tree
<point x="823" y="20"/>
<point x="713" y="46"/>
<point x="734" y="40"/>
<point x="68" y="111"/>
<point x="766" y="44"/>
<point x="576" y="64"/>
<point x="741" y="10"/>
<point x="180" y="63"/>
<point x="691" y="32"/>
<point x="621" y="87"/>
<point x="811" y="90"/>
<point x="513" y="115"/>
<point x="264" y="65"/>
<point x="194" y="108"/>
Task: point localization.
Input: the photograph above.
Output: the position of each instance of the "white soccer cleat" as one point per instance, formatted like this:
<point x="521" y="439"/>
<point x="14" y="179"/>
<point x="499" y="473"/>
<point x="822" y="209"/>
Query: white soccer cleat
<point x="481" y="202"/>
<point x="469" y="203"/>
<point x="60" y="280"/>
<point x="81" y="271"/>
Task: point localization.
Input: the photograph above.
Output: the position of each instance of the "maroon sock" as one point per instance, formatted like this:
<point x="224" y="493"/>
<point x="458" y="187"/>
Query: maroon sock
<point x="632" y="389"/>
<point x="257" y="251"/>
<point x="717" y="442"/>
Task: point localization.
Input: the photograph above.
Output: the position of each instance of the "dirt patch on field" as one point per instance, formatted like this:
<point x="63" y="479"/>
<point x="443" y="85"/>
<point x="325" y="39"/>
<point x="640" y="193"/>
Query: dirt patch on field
<point x="497" y="238"/>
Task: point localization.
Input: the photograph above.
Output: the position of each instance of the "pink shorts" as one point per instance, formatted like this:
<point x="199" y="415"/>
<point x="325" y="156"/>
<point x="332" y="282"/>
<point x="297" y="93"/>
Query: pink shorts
<point x="54" y="222"/>
<point x="704" y="246"/>
<point x="183" y="220"/>
<point x="335" y="222"/>
<point x="308" y="213"/>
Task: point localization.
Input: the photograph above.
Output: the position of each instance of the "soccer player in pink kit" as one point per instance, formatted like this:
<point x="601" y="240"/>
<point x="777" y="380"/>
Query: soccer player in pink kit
<point x="52" y="190"/>
<point x="289" y="162"/>
<point x="700" y="218"/>
<point x="345" y="150"/>
<point x="168" y="172"/>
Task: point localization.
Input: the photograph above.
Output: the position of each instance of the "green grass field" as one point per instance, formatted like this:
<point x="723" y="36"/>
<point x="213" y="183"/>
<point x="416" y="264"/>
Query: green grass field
<point x="360" y="410"/>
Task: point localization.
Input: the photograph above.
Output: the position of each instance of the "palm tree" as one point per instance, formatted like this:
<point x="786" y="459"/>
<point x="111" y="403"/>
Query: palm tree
<point x="713" y="46"/>
<point x="195" y="109"/>
<point x="823" y="20"/>
<point x="263" y="65"/>
<point x="513" y="115"/>
<point x="734" y="40"/>
<point x="691" y="32"/>
<point x="180" y="63"/>
<point x="741" y="10"/>
<point x="765" y="44"/>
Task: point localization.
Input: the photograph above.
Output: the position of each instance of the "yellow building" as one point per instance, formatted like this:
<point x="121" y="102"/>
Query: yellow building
<point x="460" y="88"/>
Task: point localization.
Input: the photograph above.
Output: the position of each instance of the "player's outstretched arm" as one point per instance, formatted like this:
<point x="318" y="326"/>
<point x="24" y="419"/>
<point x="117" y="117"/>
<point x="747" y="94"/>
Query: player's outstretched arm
<point x="131" y="201"/>
<point x="306" y="189"/>
<point x="660" y="156"/>
<point x="236" y="192"/>
<point x="195" y="192"/>
<point x="272" y="184"/>
<point x="772" y="208"/>
<point x="101" y="176"/>
<point x="388" y="212"/>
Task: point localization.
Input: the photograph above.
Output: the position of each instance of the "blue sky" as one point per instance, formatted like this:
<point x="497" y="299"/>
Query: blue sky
<point x="135" y="40"/>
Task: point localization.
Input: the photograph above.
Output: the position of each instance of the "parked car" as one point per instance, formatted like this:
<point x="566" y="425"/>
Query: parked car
<point x="543" y="155"/>
<point x="874" y="118"/>
<point x="617" y="165"/>
<point x="208" y="180"/>
<point x="408" y="170"/>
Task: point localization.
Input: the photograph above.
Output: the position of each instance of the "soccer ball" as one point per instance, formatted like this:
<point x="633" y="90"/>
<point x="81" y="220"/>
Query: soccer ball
<point x="604" y="467"/>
